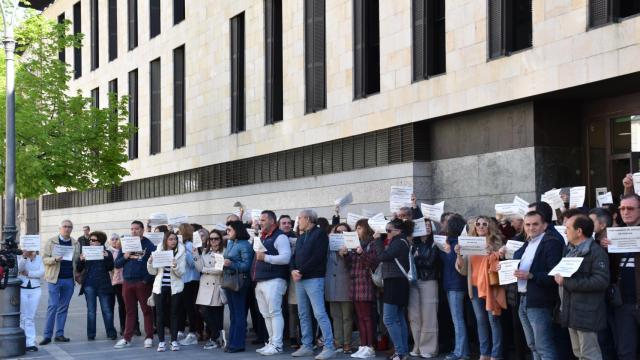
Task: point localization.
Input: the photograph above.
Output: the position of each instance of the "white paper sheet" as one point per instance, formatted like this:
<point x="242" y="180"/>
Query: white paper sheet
<point x="344" y="200"/>
<point x="563" y="231"/>
<point x="440" y="241"/>
<point x="507" y="271"/>
<point x="432" y="212"/>
<point x="352" y="219"/>
<point x="368" y="213"/>
<point x="219" y="261"/>
<point x="178" y="219"/>
<point x="180" y="239"/>
<point x="61" y="250"/>
<point x="420" y="228"/>
<point x="512" y="246"/>
<point x="567" y="266"/>
<point x="636" y="183"/>
<point x="552" y="197"/>
<point x="30" y="242"/>
<point x="379" y="225"/>
<point x="623" y="239"/>
<point x="399" y="196"/>
<point x="197" y="239"/>
<point x="131" y="244"/>
<point x="162" y="258"/>
<point x="522" y="205"/>
<point x="378" y="216"/>
<point x="258" y="246"/>
<point x="472" y="245"/>
<point x="576" y="196"/>
<point x="255" y="214"/>
<point x="606" y="198"/>
<point x="92" y="253"/>
<point x="155" y="237"/>
<point x="336" y="241"/>
<point x="507" y="209"/>
<point x="351" y="240"/>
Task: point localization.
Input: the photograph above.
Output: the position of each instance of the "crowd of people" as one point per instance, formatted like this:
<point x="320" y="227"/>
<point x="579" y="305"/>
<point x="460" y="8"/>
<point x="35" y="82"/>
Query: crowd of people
<point x="409" y="296"/>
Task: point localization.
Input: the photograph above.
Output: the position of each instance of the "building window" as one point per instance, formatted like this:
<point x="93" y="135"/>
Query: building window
<point x="178" y="11"/>
<point x="113" y="29"/>
<point x="237" y="74"/>
<point x="602" y="12"/>
<point x="428" y="38"/>
<point x="132" y="23"/>
<point x="133" y="113"/>
<point x="314" y="56"/>
<point x="61" y="53"/>
<point x="113" y="89"/>
<point x="366" y="48"/>
<point x="95" y="97"/>
<point x="154" y="18"/>
<point x="77" y="51"/>
<point x="510" y="26"/>
<point x="179" y="123"/>
<point x="273" y="60"/>
<point x="95" y="35"/>
<point x="154" y="109"/>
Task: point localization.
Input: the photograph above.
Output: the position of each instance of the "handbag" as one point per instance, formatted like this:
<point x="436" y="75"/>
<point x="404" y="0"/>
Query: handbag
<point x="493" y="278"/>
<point x="376" y="276"/>
<point x="411" y="275"/>
<point x="232" y="280"/>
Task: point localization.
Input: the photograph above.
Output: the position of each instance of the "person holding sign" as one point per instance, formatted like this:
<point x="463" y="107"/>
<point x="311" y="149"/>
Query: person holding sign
<point x="238" y="257"/>
<point x="210" y="294"/>
<point x="537" y="290"/>
<point x="30" y="270"/>
<point x="362" y="262"/>
<point x="167" y="289"/>
<point x="423" y="297"/>
<point x="583" y="308"/>
<point x="116" y="281"/>
<point x="487" y="297"/>
<point x="191" y="280"/>
<point x="337" y="283"/>
<point x="58" y="273"/>
<point x="97" y="284"/>
<point x="136" y="287"/>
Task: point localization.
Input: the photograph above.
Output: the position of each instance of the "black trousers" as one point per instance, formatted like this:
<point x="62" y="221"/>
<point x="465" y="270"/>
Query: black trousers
<point x="189" y="309"/>
<point x="213" y="318"/>
<point x="167" y="303"/>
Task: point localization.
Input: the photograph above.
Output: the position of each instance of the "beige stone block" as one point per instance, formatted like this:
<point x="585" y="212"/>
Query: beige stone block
<point x="628" y="59"/>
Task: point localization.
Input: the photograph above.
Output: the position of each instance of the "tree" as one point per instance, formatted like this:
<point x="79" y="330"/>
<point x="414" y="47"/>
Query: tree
<point x="62" y="141"/>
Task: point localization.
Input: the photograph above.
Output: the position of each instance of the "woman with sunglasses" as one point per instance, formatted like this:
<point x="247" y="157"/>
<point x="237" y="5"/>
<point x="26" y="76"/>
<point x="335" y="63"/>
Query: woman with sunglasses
<point x="487" y="296"/>
<point x="210" y="295"/>
<point x="238" y="257"/>
<point x="167" y="289"/>
<point x="97" y="284"/>
<point x="337" y="283"/>
<point x="395" y="266"/>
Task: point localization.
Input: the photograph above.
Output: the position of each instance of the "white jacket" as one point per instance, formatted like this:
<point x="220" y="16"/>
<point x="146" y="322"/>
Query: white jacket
<point x="34" y="269"/>
<point x="176" y="273"/>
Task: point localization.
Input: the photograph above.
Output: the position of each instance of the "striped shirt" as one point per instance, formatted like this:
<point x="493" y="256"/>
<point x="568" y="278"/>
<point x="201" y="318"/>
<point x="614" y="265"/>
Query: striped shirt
<point x="166" y="276"/>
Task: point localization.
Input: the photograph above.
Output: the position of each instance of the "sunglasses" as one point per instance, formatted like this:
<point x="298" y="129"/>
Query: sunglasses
<point x="390" y="230"/>
<point x="482" y="224"/>
<point x="627" y="208"/>
<point x="67" y="226"/>
<point x="214" y="238"/>
<point x="93" y="239"/>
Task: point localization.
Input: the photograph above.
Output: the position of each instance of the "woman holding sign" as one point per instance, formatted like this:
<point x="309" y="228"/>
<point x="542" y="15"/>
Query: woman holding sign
<point x="30" y="270"/>
<point x="487" y="296"/>
<point x="97" y="262"/>
<point x="210" y="294"/>
<point x="167" y="264"/>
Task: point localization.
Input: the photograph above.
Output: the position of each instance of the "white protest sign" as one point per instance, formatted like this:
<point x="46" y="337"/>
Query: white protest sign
<point x="336" y="241"/>
<point x="155" y="237"/>
<point x="512" y="246"/>
<point x="472" y="245"/>
<point x="432" y="212"/>
<point x="567" y="266"/>
<point x="636" y="183"/>
<point x="509" y="209"/>
<point x="92" y="253"/>
<point x="420" y="228"/>
<point x="255" y="214"/>
<point x="258" y="246"/>
<point x="605" y="198"/>
<point x="368" y="213"/>
<point x="352" y="219"/>
<point x="623" y="239"/>
<point x="162" y="258"/>
<point x="576" y="196"/>
<point x="552" y="197"/>
<point x="131" y="244"/>
<point x="507" y="271"/>
<point x="344" y="201"/>
<point x="30" y="242"/>
<point x="399" y="196"/>
<point x="197" y="239"/>
<point x="61" y="250"/>
<point x="218" y="262"/>
<point x="440" y="241"/>
<point x="180" y="239"/>
<point x="378" y="216"/>
<point x="351" y="240"/>
<point x="522" y="205"/>
<point x="563" y="231"/>
<point x="178" y="219"/>
<point x="379" y="225"/>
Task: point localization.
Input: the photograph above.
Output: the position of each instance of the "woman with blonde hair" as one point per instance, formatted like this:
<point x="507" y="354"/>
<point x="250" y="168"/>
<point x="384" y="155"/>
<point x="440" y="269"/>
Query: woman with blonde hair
<point x="487" y="296"/>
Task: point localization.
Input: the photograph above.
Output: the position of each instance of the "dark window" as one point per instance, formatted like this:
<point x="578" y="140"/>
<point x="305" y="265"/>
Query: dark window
<point x="510" y="26"/>
<point x="154" y="109"/>
<point x="428" y="38"/>
<point x="77" y="51"/>
<point x="95" y="97"/>
<point x="179" y="124"/>
<point x="113" y="88"/>
<point x="95" y="35"/>
<point x="366" y="48"/>
<point x="627" y="8"/>
<point x="178" y="11"/>
<point x="133" y="113"/>
<point x="154" y="18"/>
<point x="273" y="60"/>
<point x="237" y="74"/>
<point x="113" y="29"/>
<point x="132" y="23"/>
<point x="61" y="53"/>
<point x="314" y="56"/>
<point x="602" y="12"/>
<point x="113" y="97"/>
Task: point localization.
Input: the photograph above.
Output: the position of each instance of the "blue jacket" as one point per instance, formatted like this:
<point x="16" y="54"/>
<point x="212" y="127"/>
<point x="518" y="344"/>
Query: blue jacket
<point x="240" y="252"/>
<point x="310" y="257"/>
<point x="191" y="273"/>
<point x="136" y="269"/>
<point x="266" y="271"/>
<point x="542" y="290"/>
<point x="451" y="278"/>
<point x="97" y="274"/>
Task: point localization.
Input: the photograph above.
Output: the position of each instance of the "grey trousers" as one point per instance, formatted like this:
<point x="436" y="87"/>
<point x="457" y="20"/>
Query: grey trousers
<point x="585" y="344"/>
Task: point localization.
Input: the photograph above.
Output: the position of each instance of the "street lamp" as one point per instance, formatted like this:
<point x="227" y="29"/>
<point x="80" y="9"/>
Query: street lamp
<point x="12" y="339"/>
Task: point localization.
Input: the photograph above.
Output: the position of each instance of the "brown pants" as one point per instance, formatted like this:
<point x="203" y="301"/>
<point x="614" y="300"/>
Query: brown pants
<point x="132" y="293"/>
<point x="423" y="317"/>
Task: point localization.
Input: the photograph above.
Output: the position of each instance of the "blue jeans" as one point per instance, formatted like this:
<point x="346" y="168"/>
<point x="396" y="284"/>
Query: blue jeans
<point x="310" y="294"/>
<point x="489" y="328"/>
<point x="456" y="307"/>
<point x="60" y="295"/>
<point x="396" y="324"/>
<point x="237" y="301"/>
<point x="106" y="307"/>
<point x="536" y="323"/>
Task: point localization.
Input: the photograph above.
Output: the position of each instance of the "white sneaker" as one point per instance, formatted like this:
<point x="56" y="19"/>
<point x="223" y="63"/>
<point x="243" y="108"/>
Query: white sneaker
<point x="260" y="350"/>
<point x="190" y="339"/>
<point x="175" y="346"/>
<point x="271" y="350"/>
<point x="223" y="339"/>
<point x="368" y="353"/>
<point x="326" y="354"/>
<point x="180" y="335"/>
<point x="161" y="346"/>
<point x="121" y="344"/>
<point x="357" y="353"/>
<point x="148" y="343"/>
<point x="210" y="345"/>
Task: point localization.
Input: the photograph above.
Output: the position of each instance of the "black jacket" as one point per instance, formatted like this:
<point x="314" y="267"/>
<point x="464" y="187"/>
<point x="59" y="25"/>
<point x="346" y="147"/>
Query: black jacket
<point x="97" y="274"/>
<point x="310" y="257"/>
<point x="398" y="248"/>
<point x="425" y="256"/>
<point x="583" y="295"/>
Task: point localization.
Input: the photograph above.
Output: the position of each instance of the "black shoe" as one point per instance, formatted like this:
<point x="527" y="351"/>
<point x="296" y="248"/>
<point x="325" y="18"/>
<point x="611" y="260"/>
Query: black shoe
<point x="91" y="338"/>
<point x="61" y="339"/>
<point x="31" y="349"/>
<point x="231" y="351"/>
<point x="45" y="341"/>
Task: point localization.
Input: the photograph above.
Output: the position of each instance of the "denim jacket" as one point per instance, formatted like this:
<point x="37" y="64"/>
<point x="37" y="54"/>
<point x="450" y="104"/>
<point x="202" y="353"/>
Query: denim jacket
<point x="240" y="252"/>
<point x="191" y="273"/>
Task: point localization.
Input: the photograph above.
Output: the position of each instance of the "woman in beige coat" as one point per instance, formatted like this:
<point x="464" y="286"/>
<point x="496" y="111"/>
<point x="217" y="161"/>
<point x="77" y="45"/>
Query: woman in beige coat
<point x="210" y="294"/>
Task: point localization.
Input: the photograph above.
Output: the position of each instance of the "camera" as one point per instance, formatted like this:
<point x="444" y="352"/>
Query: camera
<point x="8" y="255"/>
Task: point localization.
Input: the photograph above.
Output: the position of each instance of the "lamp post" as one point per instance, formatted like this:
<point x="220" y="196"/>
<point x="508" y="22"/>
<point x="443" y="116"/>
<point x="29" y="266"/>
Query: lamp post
<point x="12" y="339"/>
